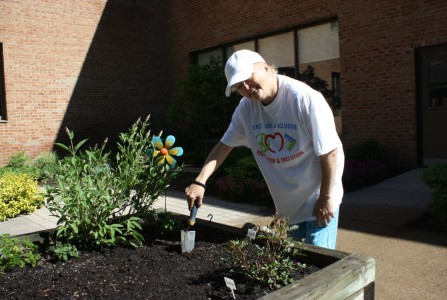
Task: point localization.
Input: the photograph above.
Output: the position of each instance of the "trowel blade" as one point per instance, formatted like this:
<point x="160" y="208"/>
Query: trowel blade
<point x="187" y="238"/>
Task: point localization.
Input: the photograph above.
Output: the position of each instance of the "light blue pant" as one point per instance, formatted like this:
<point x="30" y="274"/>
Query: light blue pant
<point x="319" y="236"/>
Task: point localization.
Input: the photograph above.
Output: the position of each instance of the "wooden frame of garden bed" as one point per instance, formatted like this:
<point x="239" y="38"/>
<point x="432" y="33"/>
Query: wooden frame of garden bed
<point x="341" y="276"/>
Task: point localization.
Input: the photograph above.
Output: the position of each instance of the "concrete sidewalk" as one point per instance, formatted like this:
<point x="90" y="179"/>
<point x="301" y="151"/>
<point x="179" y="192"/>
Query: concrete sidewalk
<point x="410" y="263"/>
<point x="396" y="201"/>
<point x="216" y="210"/>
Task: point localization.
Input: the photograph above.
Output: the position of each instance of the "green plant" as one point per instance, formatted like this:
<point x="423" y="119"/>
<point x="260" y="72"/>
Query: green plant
<point x="241" y="180"/>
<point x="367" y="150"/>
<point x="15" y="253"/>
<point x="319" y="84"/>
<point x="435" y="176"/>
<point x="169" y="223"/>
<point x="100" y="200"/>
<point x="20" y="163"/>
<point x="200" y="112"/>
<point x="366" y="164"/>
<point x="269" y="262"/>
<point x="45" y="163"/>
<point x="64" y="252"/>
<point x="19" y="193"/>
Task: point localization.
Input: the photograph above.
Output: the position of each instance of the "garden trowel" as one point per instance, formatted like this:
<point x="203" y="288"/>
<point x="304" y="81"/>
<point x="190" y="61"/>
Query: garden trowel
<point x="189" y="236"/>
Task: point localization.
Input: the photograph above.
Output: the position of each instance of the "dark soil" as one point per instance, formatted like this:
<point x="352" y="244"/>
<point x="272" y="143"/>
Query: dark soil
<point x="158" y="270"/>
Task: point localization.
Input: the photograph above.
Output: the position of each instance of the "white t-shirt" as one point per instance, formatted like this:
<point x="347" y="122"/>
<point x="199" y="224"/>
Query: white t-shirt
<point x="286" y="138"/>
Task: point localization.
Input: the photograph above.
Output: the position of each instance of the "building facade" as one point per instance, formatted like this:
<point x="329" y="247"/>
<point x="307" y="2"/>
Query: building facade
<point x="95" y="67"/>
<point x="92" y="66"/>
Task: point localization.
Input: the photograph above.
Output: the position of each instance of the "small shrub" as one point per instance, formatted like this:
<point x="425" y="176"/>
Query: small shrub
<point x="365" y="164"/>
<point x="268" y="262"/>
<point x="435" y="176"/>
<point x="64" y="252"/>
<point x="19" y="193"/>
<point x="19" y="163"/>
<point x="100" y="199"/>
<point x="368" y="150"/>
<point x="45" y="163"/>
<point x="358" y="173"/>
<point x="15" y="253"/>
<point x="169" y="223"/>
<point x="243" y="181"/>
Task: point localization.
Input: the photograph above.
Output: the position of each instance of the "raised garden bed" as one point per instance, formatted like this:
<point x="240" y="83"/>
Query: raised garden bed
<point x="158" y="270"/>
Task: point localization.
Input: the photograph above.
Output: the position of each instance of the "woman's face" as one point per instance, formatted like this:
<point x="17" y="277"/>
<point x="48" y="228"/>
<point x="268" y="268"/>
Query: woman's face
<point x="261" y="86"/>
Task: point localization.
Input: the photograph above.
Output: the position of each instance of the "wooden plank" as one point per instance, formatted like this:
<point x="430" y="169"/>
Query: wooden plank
<point x="339" y="280"/>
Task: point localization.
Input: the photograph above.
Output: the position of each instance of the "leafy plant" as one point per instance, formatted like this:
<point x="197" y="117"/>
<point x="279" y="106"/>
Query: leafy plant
<point x="101" y="199"/>
<point x="365" y="164"/>
<point x="270" y="261"/>
<point x="45" y="163"/>
<point x="15" y="253"/>
<point x="19" y="163"/>
<point x="19" y="193"/>
<point x="64" y="252"/>
<point x="435" y="176"/>
<point x="200" y="111"/>
<point x="319" y="84"/>
<point x="169" y="223"/>
<point x="359" y="173"/>
<point x="243" y="180"/>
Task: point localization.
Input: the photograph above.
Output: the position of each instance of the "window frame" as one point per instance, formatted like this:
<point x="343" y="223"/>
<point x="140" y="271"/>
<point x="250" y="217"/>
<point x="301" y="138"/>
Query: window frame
<point x="255" y="38"/>
<point x="3" y="115"/>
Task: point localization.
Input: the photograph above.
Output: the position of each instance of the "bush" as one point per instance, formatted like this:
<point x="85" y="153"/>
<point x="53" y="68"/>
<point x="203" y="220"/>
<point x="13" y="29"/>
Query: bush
<point x="243" y="181"/>
<point x="64" y="252"/>
<point x="15" y="253"/>
<point x="268" y="262"/>
<point x="20" y="163"/>
<point x="101" y="199"/>
<point x="365" y="164"/>
<point x="435" y="176"/>
<point x="358" y="173"/>
<point x="45" y="163"/>
<point x="200" y="112"/>
<point x="369" y="150"/>
<point x="19" y="193"/>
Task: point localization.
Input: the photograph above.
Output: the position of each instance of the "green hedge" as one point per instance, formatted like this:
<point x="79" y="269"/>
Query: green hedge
<point x="435" y="176"/>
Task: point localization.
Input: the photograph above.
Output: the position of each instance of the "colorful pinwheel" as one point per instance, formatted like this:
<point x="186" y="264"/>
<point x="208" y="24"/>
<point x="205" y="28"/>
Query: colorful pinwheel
<point x="164" y="153"/>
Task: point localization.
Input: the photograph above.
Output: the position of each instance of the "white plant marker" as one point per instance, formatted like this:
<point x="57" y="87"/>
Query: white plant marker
<point x="231" y="285"/>
<point x="251" y="233"/>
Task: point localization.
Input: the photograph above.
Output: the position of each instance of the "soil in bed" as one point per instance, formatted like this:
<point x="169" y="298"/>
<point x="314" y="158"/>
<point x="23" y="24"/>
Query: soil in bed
<point x="158" y="270"/>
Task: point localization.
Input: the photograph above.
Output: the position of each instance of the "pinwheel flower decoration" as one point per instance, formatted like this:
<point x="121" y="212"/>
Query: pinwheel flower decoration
<point x="163" y="154"/>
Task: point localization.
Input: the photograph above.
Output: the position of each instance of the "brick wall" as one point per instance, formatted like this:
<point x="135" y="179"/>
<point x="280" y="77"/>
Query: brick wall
<point x="377" y="42"/>
<point x="93" y="66"/>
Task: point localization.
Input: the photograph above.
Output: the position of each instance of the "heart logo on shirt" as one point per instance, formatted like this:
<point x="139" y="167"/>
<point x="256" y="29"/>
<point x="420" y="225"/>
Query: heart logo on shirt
<point x="272" y="142"/>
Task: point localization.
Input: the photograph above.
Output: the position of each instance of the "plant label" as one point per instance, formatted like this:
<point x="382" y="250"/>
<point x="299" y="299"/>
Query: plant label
<point x="251" y="234"/>
<point x="231" y="285"/>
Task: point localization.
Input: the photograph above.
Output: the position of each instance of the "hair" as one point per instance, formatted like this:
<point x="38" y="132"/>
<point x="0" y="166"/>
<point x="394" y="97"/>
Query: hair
<point x="273" y="70"/>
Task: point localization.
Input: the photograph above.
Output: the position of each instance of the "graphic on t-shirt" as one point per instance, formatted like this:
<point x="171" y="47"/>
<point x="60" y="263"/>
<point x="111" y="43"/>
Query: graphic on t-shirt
<point x="281" y="144"/>
<point x="275" y="142"/>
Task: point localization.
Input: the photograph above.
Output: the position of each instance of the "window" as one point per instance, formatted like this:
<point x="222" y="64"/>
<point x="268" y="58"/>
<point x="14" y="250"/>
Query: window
<point x="438" y="84"/>
<point x="308" y="53"/>
<point x="247" y="45"/>
<point x="279" y="51"/>
<point x="203" y="58"/>
<point x="318" y="52"/>
<point x="2" y="87"/>
<point x="305" y="53"/>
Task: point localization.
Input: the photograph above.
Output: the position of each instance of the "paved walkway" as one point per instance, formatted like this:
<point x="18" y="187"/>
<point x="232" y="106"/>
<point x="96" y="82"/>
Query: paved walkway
<point x="410" y="263"/>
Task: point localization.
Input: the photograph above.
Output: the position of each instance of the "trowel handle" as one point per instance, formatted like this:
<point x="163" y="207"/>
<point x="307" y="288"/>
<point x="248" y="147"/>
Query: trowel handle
<point x="193" y="214"/>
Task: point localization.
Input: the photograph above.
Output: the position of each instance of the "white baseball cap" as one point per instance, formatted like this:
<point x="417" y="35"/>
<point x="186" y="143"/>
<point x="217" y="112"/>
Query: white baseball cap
<point x="239" y="67"/>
